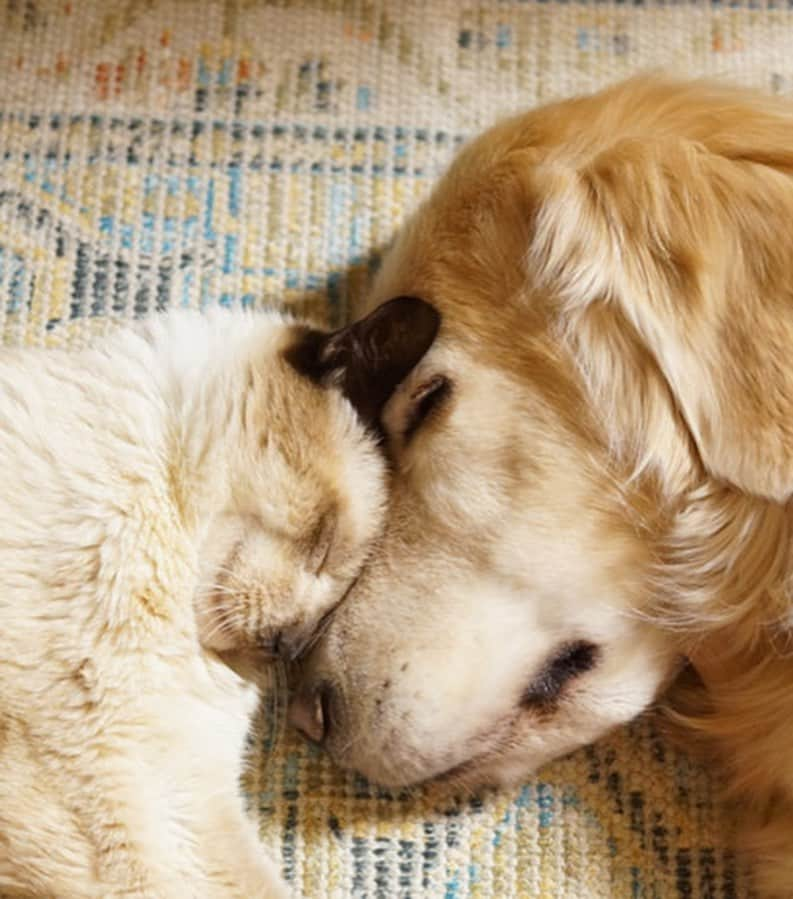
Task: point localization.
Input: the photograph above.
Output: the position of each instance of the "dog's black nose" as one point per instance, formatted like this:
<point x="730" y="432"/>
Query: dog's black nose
<point x="310" y="711"/>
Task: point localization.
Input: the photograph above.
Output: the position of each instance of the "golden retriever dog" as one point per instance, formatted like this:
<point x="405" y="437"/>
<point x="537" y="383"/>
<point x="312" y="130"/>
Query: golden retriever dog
<point x="593" y="464"/>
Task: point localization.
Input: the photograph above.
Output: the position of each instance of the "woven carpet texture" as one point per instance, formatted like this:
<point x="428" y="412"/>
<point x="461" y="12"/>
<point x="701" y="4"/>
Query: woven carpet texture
<point x="164" y="152"/>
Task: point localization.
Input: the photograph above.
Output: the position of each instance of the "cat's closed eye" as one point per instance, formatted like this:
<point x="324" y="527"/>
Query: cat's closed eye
<point x="319" y="542"/>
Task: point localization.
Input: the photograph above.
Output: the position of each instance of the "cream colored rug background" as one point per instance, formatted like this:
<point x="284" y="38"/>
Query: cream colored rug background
<point x="158" y="152"/>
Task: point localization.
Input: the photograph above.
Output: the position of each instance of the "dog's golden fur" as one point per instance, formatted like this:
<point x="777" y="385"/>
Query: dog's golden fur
<point x="624" y="262"/>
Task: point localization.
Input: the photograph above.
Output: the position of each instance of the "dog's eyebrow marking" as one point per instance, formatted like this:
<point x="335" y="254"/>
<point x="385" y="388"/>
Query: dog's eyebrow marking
<point x="569" y="662"/>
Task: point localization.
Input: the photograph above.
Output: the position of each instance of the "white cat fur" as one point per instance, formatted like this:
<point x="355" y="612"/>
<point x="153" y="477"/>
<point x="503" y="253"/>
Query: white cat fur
<point x="128" y="473"/>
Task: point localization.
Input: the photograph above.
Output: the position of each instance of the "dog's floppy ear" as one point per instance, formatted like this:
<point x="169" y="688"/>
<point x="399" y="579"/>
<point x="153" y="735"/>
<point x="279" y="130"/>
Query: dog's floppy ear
<point x="680" y="255"/>
<point x="368" y="359"/>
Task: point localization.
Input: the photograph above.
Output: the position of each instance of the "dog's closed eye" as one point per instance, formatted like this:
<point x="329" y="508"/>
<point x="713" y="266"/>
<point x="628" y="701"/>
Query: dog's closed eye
<point x="425" y="400"/>
<point x="569" y="662"/>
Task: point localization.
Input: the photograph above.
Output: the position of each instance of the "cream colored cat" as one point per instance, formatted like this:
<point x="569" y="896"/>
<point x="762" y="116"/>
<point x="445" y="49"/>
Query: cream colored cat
<point x="185" y="488"/>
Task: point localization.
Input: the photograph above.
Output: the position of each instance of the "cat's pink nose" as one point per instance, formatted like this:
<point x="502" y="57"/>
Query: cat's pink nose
<point x="309" y="712"/>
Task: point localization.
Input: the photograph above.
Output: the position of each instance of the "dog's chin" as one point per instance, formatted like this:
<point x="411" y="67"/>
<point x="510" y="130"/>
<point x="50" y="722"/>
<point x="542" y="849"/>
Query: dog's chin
<point x="404" y="774"/>
<point x="489" y="769"/>
<point x="474" y="776"/>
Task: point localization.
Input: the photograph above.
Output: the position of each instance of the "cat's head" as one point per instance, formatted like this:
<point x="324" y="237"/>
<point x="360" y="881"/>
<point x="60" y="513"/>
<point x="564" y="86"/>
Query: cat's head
<point x="308" y="476"/>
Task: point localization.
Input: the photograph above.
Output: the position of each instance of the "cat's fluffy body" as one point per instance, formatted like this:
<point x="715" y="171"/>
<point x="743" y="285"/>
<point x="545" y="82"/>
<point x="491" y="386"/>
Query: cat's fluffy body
<point x="158" y="492"/>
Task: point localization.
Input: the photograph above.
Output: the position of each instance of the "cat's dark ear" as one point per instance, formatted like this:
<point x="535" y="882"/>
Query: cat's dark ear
<point x="369" y="358"/>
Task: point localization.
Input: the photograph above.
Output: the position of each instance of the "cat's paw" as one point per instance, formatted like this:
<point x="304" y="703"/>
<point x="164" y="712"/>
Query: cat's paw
<point x="279" y="890"/>
<point x="258" y="878"/>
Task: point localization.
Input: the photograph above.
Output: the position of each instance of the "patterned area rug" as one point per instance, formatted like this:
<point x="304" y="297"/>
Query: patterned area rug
<point x="165" y="152"/>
